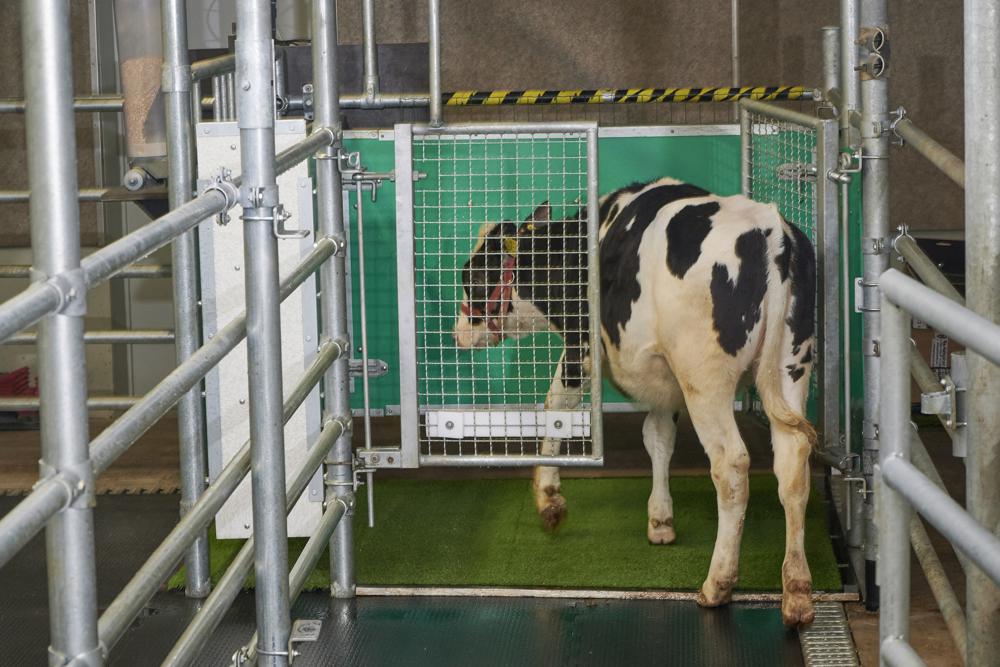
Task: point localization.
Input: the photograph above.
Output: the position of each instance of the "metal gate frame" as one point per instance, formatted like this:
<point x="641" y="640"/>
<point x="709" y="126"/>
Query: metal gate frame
<point x="410" y="414"/>
<point x="827" y="242"/>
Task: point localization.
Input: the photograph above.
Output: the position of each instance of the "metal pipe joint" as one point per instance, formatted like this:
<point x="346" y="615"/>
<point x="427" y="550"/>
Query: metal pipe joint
<point x="71" y="287"/>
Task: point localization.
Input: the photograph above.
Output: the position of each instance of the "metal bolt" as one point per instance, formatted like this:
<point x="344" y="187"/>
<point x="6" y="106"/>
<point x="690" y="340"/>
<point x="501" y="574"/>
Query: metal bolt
<point x="449" y="425"/>
<point x="391" y="459"/>
<point x="558" y="423"/>
<point x="243" y="401"/>
<point x="246" y="85"/>
<point x="375" y="458"/>
<point x="81" y="485"/>
<point x="232" y="147"/>
<point x="247" y="526"/>
<point x="237" y="267"/>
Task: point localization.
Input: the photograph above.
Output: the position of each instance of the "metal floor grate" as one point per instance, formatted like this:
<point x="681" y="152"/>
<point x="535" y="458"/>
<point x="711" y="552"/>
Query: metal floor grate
<point x="828" y="641"/>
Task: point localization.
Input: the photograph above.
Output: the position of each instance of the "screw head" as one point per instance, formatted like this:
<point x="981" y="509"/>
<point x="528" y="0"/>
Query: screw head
<point x="391" y="459"/>
<point x="449" y="425"/>
<point x="246" y="85"/>
<point x="558" y="423"/>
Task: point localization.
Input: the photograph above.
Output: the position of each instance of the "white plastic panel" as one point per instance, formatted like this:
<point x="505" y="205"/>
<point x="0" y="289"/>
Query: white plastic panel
<point x="222" y="278"/>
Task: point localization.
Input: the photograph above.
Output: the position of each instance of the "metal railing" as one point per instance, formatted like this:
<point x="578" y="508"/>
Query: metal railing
<point x="903" y="486"/>
<point x="64" y="497"/>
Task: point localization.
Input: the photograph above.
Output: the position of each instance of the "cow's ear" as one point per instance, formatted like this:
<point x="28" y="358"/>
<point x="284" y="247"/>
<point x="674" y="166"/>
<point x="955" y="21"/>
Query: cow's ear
<point x="541" y="214"/>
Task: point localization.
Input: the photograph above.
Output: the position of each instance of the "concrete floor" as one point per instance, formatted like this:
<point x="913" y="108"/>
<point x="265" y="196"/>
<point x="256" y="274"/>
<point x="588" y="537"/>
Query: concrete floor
<point x="151" y="466"/>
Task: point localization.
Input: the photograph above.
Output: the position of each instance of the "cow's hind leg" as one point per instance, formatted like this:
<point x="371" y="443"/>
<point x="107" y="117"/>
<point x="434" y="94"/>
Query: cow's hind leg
<point x="659" y="433"/>
<point x="791" y="438"/>
<point x="711" y="410"/>
<point x="564" y="394"/>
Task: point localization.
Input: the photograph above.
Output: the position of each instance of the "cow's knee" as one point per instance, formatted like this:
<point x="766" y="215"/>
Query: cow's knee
<point x="730" y="473"/>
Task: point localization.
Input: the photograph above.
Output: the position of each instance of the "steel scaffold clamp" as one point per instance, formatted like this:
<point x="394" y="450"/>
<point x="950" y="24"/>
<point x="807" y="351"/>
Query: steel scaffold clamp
<point x="898" y="116"/>
<point x="71" y="286"/>
<point x="223" y="183"/>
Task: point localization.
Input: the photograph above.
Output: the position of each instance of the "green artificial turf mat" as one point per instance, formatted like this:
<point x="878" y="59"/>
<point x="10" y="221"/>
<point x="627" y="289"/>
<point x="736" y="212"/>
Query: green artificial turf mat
<point x="487" y="533"/>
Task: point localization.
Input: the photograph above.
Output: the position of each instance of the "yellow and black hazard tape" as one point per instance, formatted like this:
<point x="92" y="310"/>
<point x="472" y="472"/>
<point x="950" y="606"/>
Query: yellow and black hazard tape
<point x="625" y="95"/>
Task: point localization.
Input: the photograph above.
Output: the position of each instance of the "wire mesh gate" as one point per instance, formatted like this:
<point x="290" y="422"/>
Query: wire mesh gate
<point x="787" y="159"/>
<point x="517" y="196"/>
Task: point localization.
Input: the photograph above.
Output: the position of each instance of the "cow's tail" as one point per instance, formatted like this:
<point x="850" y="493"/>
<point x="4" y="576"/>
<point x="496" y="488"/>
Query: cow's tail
<point x="777" y="348"/>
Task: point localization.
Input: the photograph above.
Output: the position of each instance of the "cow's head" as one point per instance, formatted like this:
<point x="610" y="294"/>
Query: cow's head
<point x="488" y="284"/>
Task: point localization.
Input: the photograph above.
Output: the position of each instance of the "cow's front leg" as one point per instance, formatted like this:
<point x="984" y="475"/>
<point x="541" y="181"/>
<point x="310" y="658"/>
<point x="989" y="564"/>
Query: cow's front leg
<point x="659" y="433"/>
<point x="564" y="394"/>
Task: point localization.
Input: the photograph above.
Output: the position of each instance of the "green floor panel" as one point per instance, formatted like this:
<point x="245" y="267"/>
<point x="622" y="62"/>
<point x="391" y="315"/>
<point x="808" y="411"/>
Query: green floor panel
<point x="486" y="533"/>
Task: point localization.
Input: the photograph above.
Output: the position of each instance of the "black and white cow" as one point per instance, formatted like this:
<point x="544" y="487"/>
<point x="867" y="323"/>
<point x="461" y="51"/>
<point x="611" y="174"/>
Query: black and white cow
<point x="697" y="291"/>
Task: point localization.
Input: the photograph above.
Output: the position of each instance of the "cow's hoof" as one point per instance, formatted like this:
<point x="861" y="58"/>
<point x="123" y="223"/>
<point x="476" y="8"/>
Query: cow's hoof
<point x="716" y="593"/>
<point x="796" y="604"/>
<point x="553" y="514"/>
<point x="660" y="532"/>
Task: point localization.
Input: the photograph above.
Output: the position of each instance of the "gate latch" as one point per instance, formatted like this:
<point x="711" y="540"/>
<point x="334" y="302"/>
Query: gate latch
<point x="376" y="368"/>
<point x="796" y="171"/>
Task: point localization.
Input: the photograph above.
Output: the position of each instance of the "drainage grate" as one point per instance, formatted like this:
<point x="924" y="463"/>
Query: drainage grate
<point x="828" y="640"/>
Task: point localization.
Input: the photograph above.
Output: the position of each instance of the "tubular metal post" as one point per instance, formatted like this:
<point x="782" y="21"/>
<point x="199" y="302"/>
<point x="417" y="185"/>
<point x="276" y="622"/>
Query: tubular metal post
<point x="831" y="58"/>
<point x="875" y="260"/>
<point x="370" y="47"/>
<point x="850" y="17"/>
<point x="180" y="164"/>
<point x="434" y="54"/>
<point x="937" y="580"/>
<point x="62" y="372"/>
<point x="982" y="279"/>
<point x="259" y="199"/>
<point x="894" y="511"/>
<point x="333" y="277"/>
<point x="363" y="292"/>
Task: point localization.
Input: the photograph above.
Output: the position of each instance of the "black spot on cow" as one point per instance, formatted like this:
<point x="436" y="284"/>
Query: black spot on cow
<point x="620" y="252"/>
<point x="802" y="271"/>
<point x="609" y="207"/>
<point x="795" y="372"/>
<point x="784" y="257"/>
<point x="685" y="233"/>
<point x="808" y="356"/>
<point x="736" y="305"/>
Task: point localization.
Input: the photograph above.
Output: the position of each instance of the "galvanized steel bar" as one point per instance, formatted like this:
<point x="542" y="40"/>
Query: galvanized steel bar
<point x="875" y="260"/>
<point x="434" y="57"/>
<point x="120" y="435"/>
<point x="850" y="84"/>
<point x="120" y="614"/>
<point x="259" y="200"/>
<point x="107" y="261"/>
<point x="95" y="403"/>
<point x="947" y="516"/>
<point x="133" y="271"/>
<point x="31" y="305"/>
<point x="212" y="67"/>
<point x="944" y="315"/>
<point x="936" y="154"/>
<point x="925" y="268"/>
<point x="21" y="524"/>
<point x="937" y="580"/>
<point x="127" y="336"/>
<point x="89" y="104"/>
<point x="982" y="294"/>
<point x="828" y="245"/>
<point x="55" y="236"/>
<point x="83" y="195"/>
<point x="333" y="281"/>
<point x="369" y="46"/>
<point x="199" y="631"/>
<point x="409" y="411"/>
<point x="180" y="164"/>
<point x="594" y="295"/>
<point x="894" y="512"/>
<point x="831" y="57"/>
<point x="898" y="653"/>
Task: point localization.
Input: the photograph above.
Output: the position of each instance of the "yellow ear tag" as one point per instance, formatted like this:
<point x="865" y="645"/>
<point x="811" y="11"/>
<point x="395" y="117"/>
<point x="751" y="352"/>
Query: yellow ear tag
<point x="510" y="245"/>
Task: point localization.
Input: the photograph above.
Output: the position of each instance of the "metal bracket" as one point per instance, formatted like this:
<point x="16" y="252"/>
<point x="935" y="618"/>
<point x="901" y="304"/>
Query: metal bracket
<point x="899" y="114"/>
<point x="376" y="368"/>
<point x="874" y="39"/>
<point x="77" y="479"/>
<point x="960" y="382"/>
<point x="939" y="402"/>
<point x="307" y="102"/>
<point x="851" y="480"/>
<point x="380" y="457"/>
<point x="71" y="286"/>
<point x="223" y="183"/>
<point x="281" y="216"/>
<point x="903" y="232"/>
<point x="259" y="196"/>
<point x="873" y="246"/>
<point x="866" y="297"/>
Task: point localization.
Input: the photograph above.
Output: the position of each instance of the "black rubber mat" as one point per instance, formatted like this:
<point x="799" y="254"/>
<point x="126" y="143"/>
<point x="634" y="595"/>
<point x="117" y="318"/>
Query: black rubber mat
<point x="394" y="631"/>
